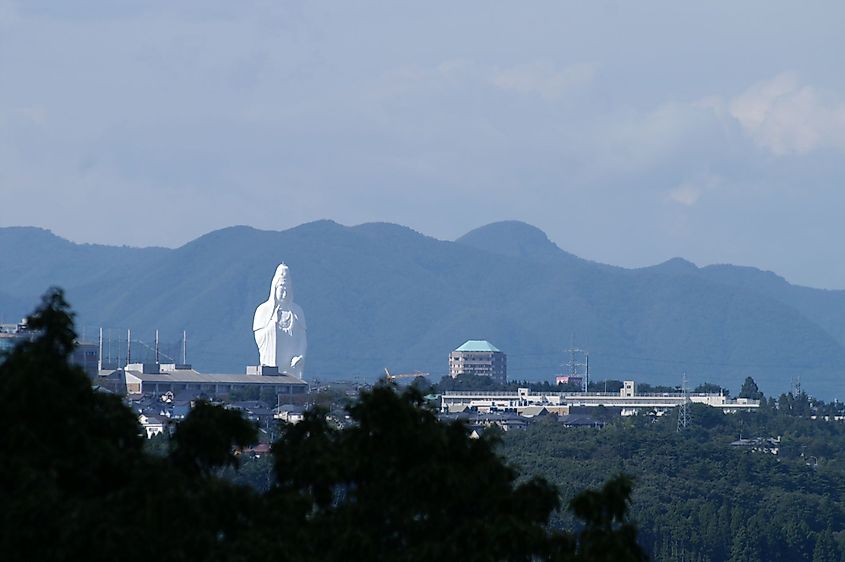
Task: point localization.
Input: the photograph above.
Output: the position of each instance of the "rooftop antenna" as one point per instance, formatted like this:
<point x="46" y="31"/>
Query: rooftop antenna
<point x="683" y="409"/>
<point x="184" y="347"/>
<point x="157" y="354"/>
<point x="100" y="352"/>
<point x="128" y="346"/>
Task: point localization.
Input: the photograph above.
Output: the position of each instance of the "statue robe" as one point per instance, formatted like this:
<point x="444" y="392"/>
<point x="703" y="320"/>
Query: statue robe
<point x="280" y="333"/>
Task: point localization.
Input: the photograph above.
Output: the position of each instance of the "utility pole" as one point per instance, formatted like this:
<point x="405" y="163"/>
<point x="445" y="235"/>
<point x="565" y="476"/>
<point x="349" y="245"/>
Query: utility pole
<point x="184" y="347"/>
<point x="157" y="354"/>
<point x="683" y="409"/>
<point x="100" y="353"/>
<point x="587" y="372"/>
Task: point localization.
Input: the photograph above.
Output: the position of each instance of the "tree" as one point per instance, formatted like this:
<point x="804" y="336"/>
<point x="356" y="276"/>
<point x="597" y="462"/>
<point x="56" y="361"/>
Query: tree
<point x="750" y="390"/>
<point x="423" y="385"/>
<point x="742" y="548"/>
<point x="711" y="388"/>
<point x="206" y="440"/>
<point x="608" y="534"/>
<point x="397" y="478"/>
<point x="468" y="381"/>
<point x="77" y="483"/>
<point x="825" y="549"/>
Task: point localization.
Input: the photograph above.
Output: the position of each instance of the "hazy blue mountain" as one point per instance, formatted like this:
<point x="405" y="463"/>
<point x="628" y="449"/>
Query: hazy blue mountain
<point x="382" y="295"/>
<point x="32" y="257"/>
<point x="825" y="307"/>
<point x="517" y="240"/>
<point x="12" y="309"/>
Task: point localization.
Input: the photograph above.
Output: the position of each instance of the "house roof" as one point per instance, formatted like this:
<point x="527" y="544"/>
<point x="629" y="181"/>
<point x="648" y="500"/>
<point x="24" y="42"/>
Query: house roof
<point x="579" y="420"/>
<point x="477" y="345"/>
<point x="531" y="411"/>
<point x="191" y="376"/>
<point x="151" y="420"/>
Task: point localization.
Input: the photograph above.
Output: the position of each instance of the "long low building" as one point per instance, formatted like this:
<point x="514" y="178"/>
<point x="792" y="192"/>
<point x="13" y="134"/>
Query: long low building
<point x="626" y="399"/>
<point x="138" y="379"/>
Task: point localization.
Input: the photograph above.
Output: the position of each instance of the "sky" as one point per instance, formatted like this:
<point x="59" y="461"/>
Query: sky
<point x="630" y="132"/>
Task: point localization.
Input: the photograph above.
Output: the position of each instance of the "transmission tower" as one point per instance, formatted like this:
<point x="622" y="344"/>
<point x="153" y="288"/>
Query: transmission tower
<point x="796" y="386"/>
<point x="683" y="409"/>
<point x="578" y="368"/>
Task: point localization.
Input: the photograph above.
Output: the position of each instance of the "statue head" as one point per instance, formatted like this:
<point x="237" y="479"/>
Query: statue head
<point x="281" y="290"/>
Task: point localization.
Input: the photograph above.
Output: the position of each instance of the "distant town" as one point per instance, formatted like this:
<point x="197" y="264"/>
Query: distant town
<point x="163" y="392"/>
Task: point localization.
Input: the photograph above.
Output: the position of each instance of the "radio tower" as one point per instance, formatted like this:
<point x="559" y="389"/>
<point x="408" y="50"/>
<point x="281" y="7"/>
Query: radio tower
<point x="683" y="409"/>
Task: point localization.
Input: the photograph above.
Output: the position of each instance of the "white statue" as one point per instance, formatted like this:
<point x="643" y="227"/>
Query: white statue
<point x="279" y="327"/>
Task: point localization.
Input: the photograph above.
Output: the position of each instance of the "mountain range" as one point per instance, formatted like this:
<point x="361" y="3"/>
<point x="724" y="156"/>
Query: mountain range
<point x="382" y="295"/>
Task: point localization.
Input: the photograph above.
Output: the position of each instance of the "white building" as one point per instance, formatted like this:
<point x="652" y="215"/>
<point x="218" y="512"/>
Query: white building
<point x="152" y="425"/>
<point x="154" y="378"/>
<point x="626" y="399"/>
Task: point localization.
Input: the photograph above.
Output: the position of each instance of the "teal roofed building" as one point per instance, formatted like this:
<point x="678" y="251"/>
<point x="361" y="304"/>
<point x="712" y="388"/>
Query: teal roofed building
<point x="479" y="357"/>
<point x="478" y="345"/>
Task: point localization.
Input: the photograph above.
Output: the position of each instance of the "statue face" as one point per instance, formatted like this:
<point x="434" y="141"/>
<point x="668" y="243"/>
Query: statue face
<point x="281" y="293"/>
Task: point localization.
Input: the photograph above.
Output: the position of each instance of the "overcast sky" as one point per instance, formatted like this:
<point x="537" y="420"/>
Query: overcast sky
<point x="630" y="132"/>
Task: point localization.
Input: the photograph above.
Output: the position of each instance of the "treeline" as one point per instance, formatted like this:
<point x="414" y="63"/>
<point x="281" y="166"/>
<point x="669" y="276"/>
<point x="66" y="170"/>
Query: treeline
<point x="698" y="497"/>
<point x="482" y="383"/>
<point x="78" y="483"/>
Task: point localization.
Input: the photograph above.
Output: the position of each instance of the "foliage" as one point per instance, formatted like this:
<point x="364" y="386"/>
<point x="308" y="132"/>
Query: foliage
<point x="76" y="481"/>
<point x="204" y="441"/>
<point x="700" y="498"/>
<point x="482" y="383"/>
<point x="645" y="388"/>
<point x="607" y="532"/>
<point x="750" y="390"/>
<point x="712" y="388"/>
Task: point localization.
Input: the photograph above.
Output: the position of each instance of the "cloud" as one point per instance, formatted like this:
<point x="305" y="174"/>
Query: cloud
<point x="786" y="117"/>
<point x="8" y="14"/>
<point x="439" y="79"/>
<point x="544" y="79"/>
<point x="670" y="138"/>
<point x="690" y="191"/>
<point x="685" y="194"/>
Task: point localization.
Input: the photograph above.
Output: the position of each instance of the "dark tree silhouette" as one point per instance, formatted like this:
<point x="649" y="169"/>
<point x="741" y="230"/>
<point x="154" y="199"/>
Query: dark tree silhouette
<point x="750" y="390"/>
<point x="76" y="482"/>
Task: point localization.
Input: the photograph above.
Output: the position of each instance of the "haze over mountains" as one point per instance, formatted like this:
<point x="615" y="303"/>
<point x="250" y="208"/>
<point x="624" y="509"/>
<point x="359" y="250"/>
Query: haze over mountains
<point x="381" y="295"/>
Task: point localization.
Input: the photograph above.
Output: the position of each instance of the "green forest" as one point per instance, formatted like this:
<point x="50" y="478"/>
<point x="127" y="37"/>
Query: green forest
<point x="696" y="497"/>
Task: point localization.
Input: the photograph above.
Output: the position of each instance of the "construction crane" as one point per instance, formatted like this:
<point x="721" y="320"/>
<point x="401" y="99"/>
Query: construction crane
<point x="391" y="377"/>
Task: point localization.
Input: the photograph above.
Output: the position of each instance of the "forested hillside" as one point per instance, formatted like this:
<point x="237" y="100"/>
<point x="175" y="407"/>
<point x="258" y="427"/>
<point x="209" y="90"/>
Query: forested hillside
<point x="696" y="497"/>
